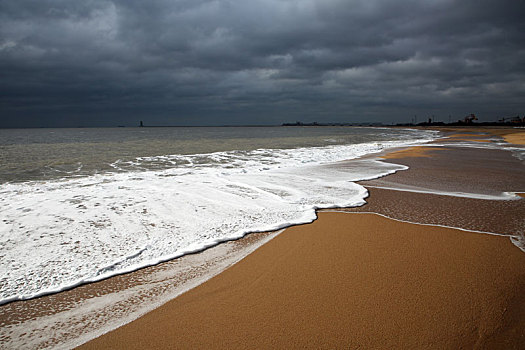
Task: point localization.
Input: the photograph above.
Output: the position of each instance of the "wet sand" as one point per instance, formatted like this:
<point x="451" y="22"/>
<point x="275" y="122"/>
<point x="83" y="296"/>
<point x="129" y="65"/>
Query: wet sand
<point x="450" y="168"/>
<point x="355" y="280"/>
<point x="412" y="152"/>
<point x="72" y="317"/>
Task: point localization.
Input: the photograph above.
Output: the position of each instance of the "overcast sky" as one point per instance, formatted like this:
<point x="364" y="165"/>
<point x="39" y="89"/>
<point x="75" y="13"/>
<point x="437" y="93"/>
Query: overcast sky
<point x="200" y="62"/>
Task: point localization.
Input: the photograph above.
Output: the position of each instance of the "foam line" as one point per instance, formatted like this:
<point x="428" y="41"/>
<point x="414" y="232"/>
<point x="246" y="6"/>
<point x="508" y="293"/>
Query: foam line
<point x="505" y="196"/>
<point x="419" y="223"/>
<point x="515" y="239"/>
<point x="62" y="233"/>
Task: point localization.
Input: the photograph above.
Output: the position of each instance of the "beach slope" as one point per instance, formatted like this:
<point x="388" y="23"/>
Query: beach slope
<point x="385" y="275"/>
<point x="350" y="281"/>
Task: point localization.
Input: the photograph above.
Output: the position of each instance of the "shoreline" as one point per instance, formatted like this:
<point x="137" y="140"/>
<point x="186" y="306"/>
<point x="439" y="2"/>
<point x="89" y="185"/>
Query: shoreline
<point x="500" y="324"/>
<point x="88" y="213"/>
<point x="373" y="193"/>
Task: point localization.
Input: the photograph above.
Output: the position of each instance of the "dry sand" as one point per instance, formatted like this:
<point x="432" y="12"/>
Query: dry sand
<point x="416" y="151"/>
<point x="510" y="135"/>
<point x="515" y="135"/>
<point x="362" y="281"/>
<point x="350" y="281"/>
<point x="515" y="138"/>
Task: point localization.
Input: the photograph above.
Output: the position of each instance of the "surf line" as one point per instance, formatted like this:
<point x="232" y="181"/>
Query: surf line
<point x="515" y="239"/>
<point x="505" y="196"/>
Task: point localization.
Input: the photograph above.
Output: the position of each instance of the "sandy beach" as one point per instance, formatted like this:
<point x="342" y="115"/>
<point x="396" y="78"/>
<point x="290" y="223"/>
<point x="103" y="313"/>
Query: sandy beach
<point x="385" y="275"/>
<point x="286" y="174"/>
<point x="349" y="281"/>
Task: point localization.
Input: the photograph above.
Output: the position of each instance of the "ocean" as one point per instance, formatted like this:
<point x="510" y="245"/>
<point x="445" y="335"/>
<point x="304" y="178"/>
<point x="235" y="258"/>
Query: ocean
<point x="81" y="205"/>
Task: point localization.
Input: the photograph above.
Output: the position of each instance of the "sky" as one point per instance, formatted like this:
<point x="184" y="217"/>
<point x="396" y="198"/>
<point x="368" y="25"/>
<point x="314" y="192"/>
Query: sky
<point x="259" y="62"/>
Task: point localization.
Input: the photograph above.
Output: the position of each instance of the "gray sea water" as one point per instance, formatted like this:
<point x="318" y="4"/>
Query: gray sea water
<point x="80" y="205"/>
<point x="45" y="154"/>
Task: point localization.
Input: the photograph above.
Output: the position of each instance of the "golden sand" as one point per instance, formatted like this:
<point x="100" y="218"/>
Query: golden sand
<point x="417" y="151"/>
<point x="463" y="135"/>
<point x="509" y="134"/>
<point x="472" y="139"/>
<point x="350" y="281"/>
<point x="517" y="138"/>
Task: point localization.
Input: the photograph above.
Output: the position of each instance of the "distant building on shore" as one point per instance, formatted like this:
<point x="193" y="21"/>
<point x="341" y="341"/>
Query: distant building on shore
<point x="470" y="120"/>
<point x="512" y="120"/>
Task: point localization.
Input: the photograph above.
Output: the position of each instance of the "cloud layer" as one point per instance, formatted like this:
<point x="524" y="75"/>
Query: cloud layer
<point x="194" y="62"/>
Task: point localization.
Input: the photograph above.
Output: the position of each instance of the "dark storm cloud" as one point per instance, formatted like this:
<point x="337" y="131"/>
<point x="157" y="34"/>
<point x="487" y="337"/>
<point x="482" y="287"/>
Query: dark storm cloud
<point x="258" y="62"/>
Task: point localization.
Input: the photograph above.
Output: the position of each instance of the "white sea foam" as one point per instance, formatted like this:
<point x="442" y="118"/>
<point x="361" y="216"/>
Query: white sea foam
<point x="503" y="196"/>
<point x="62" y="233"/>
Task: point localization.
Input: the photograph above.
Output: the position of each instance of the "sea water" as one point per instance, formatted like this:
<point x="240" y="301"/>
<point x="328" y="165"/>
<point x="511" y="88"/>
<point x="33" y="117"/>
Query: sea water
<point x="80" y="205"/>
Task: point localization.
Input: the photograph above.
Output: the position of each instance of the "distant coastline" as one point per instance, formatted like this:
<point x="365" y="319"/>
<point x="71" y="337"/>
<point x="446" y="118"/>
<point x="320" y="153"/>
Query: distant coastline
<point x="469" y="120"/>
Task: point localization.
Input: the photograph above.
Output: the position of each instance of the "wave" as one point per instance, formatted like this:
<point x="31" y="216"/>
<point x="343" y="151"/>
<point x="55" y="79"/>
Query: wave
<point x="58" y="234"/>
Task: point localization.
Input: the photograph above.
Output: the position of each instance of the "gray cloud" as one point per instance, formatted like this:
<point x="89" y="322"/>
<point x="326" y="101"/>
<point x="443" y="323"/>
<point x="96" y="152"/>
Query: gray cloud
<point x="258" y="62"/>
